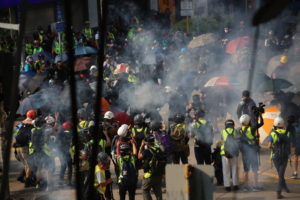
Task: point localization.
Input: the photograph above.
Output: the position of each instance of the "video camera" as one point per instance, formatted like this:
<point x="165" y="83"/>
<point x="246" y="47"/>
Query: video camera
<point x="257" y="110"/>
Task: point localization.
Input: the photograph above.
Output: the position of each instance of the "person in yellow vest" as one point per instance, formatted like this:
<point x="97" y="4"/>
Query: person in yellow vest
<point x="250" y="150"/>
<point x="57" y="48"/>
<point x="41" y="34"/>
<point x="128" y="176"/>
<point x="87" y="31"/>
<point x="230" y="155"/>
<point x="36" y="47"/>
<point x="280" y="144"/>
<point x="28" y="48"/>
<point x="132" y="76"/>
<point x="100" y="181"/>
<point x="139" y="130"/>
<point x="202" y="132"/>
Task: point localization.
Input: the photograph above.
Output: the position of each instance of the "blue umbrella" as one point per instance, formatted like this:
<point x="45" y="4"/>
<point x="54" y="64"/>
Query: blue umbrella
<point x="47" y="55"/>
<point x="10" y="3"/>
<point x="61" y="58"/>
<point x="85" y="50"/>
<point x="34" y="101"/>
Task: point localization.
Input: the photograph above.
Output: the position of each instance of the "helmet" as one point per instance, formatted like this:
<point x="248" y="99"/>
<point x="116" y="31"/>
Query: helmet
<point x="245" y="119"/>
<point x="123" y="130"/>
<point x="109" y="115"/>
<point x="67" y="125"/>
<point x="91" y="123"/>
<point x="39" y="122"/>
<point x="49" y="119"/>
<point x="179" y="118"/>
<point x="246" y="93"/>
<point x="229" y="123"/>
<point x="93" y="69"/>
<point x="150" y="139"/>
<point x="138" y="119"/>
<point x="29" y="59"/>
<point x="279" y="122"/>
<point x="51" y="82"/>
<point x="82" y="113"/>
<point x="155" y="125"/>
<point x="31" y="114"/>
<point x="125" y="148"/>
<point x="168" y="89"/>
<point x="283" y="59"/>
<point x="102" y="157"/>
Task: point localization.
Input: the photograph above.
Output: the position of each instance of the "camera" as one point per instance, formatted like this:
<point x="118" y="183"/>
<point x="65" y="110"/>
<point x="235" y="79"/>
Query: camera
<point x="259" y="109"/>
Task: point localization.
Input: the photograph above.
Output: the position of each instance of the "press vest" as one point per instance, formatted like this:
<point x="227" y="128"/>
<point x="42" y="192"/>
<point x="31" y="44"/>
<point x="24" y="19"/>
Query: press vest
<point x="121" y="161"/>
<point x="224" y="135"/>
<point x="28" y="49"/>
<point x="248" y="134"/>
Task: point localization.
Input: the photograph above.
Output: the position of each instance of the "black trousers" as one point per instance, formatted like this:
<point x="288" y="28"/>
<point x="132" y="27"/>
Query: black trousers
<point x="123" y="189"/>
<point x="66" y="162"/>
<point x="280" y="165"/>
<point x="203" y="154"/>
<point x="181" y="155"/>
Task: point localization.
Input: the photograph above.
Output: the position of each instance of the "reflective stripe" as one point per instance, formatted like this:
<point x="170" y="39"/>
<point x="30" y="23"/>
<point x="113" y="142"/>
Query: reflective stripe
<point x="153" y="150"/>
<point x="28" y="49"/>
<point x="281" y="132"/>
<point x="139" y="130"/>
<point x="121" y="164"/>
<point x="248" y="134"/>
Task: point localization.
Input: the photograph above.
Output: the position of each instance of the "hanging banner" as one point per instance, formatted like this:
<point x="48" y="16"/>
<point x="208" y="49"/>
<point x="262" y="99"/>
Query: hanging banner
<point x="9" y="26"/>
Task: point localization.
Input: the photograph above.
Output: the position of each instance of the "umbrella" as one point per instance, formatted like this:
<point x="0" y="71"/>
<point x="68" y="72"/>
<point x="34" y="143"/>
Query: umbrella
<point x="273" y="85"/>
<point x="82" y="63"/>
<point x="123" y="67"/>
<point x="35" y="82"/>
<point x="47" y="55"/>
<point x="24" y="78"/>
<point x="34" y="101"/>
<point x="258" y="78"/>
<point x="219" y="81"/>
<point x="203" y="40"/>
<point x="237" y="44"/>
<point x="85" y="50"/>
<point x="270" y="114"/>
<point x="61" y="58"/>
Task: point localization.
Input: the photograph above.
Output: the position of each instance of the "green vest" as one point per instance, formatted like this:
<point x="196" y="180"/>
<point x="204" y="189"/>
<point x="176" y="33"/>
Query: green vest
<point x="248" y="135"/>
<point x="28" y="49"/>
<point x="37" y="50"/>
<point x="153" y="150"/>
<point x="224" y="136"/>
<point x="87" y="32"/>
<point x="121" y="161"/>
<point x="139" y="130"/>
<point x="56" y="48"/>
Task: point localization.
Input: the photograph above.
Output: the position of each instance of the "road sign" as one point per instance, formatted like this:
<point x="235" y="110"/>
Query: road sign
<point x="186" y="8"/>
<point x="60" y="26"/>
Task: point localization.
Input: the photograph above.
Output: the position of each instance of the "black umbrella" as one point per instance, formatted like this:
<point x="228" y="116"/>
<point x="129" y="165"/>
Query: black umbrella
<point x="274" y="85"/>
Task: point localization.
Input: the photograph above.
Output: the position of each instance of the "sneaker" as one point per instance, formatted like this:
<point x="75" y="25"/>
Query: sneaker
<point x="235" y="188"/>
<point x="294" y="176"/>
<point x="228" y="189"/>
<point x="246" y="189"/>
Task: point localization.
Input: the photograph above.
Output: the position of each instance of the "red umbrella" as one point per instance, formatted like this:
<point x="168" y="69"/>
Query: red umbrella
<point x="123" y="118"/>
<point x="237" y="44"/>
<point x="219" y="81"/>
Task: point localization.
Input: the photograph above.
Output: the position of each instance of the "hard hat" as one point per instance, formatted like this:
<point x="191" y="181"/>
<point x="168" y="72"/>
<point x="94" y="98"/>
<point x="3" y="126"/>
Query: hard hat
<point x="31" y="114"/>
<point x="125" y="148"/>
<point x="168" y="89"/>
<point x="155" y="125"/>
<point x="138" y="119"/>
<point x="229" y="123"/>
<point x="102" y="157"/>
<point x="123" y="130"/>
<point x="51" y="82"/>
<point x="91" y="123"/>
<point x="245" y="119"/>
<point x="179" y="118"/>
<point x="67" y="125"/>
<point x="279" y="122"/>
<point x="150" y="139"/>
<point x="93" y="69"/>
<point x="49" y="119"/>
<point x="284" y="59"/>
<point x="109" y="115"/>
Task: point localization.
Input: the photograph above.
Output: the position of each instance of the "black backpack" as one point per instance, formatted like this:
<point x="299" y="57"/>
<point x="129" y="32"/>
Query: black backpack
<point x="204" y="134"/>
<point x="24" y="135"/>
<point x="128" y="173"/>
<point x="231" y="145"/>
<point x="281" y="149"/>
<point x="158" y="161"/>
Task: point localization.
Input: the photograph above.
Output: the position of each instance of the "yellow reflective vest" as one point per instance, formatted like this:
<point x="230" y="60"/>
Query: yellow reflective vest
<point x="100" y="189"/>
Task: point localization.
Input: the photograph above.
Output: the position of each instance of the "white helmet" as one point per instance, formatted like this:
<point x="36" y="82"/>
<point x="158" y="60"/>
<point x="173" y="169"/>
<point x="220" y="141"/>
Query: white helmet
<point x="279" y="122"/>
<point x="123" y="130"/>
<point x="93" y="69"/>
<point x="245" y="119"/>
<point x="91" y="123"/>
<point x="109" y="115"/>
<point x="49" y="119"/>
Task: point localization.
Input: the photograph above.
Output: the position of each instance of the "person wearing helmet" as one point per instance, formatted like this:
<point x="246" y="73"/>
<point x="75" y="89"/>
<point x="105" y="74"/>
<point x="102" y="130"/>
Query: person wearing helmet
<point x="282" y="71"/>
<point x="246" y="105"/>
<point x="110" y="126"/>
<point x="123" y="137"/>
<point x="179" y="139"/>
<point x="139" y="130"/>
<point x="230" y="155"/>
<point x="154" y="167"/>
<point x="36" y="47"/>
<point x="279" y="143"/>
<point x="29" y="64"/>
<point x="40" y="63"/>
<point x="202" y="132"/>
<point x="64" y="142"/>
<point x="101" y="181"/>
<point x="128" y="171"/>
<point x="250" y="149"/>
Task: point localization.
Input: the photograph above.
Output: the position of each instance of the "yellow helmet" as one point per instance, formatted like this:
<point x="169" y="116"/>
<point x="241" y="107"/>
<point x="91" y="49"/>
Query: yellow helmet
<point x="284" y="59"/>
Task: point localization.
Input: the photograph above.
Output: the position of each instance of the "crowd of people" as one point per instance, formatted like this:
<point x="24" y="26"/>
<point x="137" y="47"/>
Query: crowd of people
<point x="135" y="134"/>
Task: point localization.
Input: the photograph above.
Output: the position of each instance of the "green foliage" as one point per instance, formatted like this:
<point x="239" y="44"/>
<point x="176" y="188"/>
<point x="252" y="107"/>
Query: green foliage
<point x="201" y="25"/>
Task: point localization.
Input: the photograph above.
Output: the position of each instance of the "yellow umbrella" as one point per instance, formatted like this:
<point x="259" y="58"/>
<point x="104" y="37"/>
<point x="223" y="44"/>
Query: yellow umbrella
<point x="270" y="114"/>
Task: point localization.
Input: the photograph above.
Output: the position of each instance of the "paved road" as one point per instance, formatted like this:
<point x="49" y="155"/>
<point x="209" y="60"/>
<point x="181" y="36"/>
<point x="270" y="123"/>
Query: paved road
<point x="267" y="178"/>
